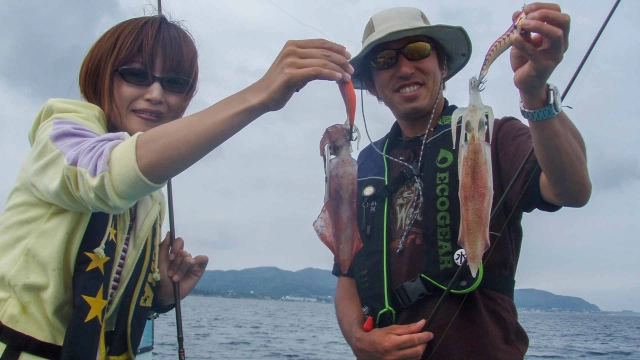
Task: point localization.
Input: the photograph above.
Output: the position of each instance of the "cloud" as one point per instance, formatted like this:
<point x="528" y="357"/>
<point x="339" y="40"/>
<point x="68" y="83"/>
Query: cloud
<point x="613" y="171"/>
<point x="252" y="201"/>
<point x="43" y="46"/>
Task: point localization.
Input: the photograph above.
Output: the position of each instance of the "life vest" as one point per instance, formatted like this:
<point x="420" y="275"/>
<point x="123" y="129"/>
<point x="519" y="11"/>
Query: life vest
<point x="85" y="336"/>
<point x="440" y="221"/>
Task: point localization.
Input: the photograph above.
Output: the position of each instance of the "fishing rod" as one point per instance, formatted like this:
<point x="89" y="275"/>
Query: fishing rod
<point x="176" y="285"/>
<point x="172" y="238"/>
<point x="520" y="170"/>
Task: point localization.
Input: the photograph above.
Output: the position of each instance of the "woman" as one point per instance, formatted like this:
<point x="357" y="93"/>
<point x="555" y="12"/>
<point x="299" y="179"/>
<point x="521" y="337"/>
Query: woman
<point x="89" y="191"/>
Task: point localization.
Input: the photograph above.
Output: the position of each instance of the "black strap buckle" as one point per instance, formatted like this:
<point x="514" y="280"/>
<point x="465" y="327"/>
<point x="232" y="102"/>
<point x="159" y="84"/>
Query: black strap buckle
<point x="410" y="292"/>
<point x="18" y="342"/>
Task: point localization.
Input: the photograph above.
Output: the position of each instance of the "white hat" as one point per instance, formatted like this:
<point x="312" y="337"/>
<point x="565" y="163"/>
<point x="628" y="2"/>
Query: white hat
<point x="400" y="22"/>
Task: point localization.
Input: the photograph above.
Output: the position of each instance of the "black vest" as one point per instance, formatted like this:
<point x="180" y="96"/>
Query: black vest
<point x="440" y="220"/>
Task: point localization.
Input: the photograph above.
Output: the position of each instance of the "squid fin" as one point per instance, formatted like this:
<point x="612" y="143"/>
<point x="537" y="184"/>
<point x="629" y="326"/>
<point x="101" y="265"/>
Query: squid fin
<point x="324" y="228"/>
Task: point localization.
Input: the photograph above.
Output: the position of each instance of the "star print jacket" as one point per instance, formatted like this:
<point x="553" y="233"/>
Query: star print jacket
<point x="62" y="228"/>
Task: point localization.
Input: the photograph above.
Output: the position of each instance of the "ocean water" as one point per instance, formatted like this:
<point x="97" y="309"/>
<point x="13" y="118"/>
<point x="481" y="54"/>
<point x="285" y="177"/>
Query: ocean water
<point x="581" y="336"/>
<point x="219" y="328"/>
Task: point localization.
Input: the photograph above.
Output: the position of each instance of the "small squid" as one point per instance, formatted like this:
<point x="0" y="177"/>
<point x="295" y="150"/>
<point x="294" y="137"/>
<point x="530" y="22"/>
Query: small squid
<point x="476" y="179"/>
<point x="336" y="225"/>
<point x="474" y="157"/>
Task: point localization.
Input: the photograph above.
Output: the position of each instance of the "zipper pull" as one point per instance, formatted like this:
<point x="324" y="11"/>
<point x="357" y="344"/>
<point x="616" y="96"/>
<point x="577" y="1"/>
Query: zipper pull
<point x="364" y="215"/>
<point x="372" y="211"/>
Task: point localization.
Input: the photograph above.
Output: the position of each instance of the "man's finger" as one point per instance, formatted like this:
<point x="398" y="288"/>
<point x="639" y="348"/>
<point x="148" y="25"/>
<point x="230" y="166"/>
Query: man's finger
<point x="515" y="15"/>
<point x="554" y="18"/>
<point x="529" y="8"/>
<point x="413" y="340"/>
<point x="547" y="30"/>
<point x="525" y="49"/>
<point x="407" y="329"/>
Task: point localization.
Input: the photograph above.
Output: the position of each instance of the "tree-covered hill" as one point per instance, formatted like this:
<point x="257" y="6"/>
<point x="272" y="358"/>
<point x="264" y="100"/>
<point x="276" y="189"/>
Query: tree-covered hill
<point x="274" y="283"/>
<point x="532" y="299"/>
<point x="268" y="282"/>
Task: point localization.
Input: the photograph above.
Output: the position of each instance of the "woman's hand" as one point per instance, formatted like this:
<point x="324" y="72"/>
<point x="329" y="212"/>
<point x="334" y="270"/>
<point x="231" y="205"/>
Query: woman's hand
<point x="300" y="62"/>
<point x="163" y="152"/>
<point x="177" y="265"/>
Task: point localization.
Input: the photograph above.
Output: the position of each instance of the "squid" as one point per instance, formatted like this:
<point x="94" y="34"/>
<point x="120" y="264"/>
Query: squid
<point x="336" y="225"/>
<point x="476" y="178"/>
<point x="474" y="157"/>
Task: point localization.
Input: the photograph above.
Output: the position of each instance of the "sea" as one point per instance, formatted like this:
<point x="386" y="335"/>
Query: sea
<point x="224" y="328"/>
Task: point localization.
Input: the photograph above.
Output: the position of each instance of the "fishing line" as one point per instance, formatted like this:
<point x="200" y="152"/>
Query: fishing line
<point x="302" y="23"/>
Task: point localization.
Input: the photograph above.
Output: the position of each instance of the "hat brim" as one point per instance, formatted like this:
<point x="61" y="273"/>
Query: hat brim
<point x="454" y="39"/>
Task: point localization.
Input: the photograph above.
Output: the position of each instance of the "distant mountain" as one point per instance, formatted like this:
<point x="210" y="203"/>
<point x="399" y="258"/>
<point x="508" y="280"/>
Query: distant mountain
<point x="274" y="283"/>
<point x="268" y="282"/>
<point x="532" y="299"/>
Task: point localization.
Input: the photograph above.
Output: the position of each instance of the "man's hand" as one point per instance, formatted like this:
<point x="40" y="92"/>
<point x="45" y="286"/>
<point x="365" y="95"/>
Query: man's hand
<point x="533" y="58"/>
<point x="176" y="264"/>
<point x="393" y="342"/>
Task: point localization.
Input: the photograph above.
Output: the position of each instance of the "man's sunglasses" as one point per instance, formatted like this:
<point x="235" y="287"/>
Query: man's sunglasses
<point x="141" y="77"/>
<point x="389" y="57"/>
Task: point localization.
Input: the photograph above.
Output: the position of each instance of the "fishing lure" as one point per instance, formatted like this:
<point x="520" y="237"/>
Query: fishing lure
<point x="499" y="46"/>
<point x="349" y="96"/>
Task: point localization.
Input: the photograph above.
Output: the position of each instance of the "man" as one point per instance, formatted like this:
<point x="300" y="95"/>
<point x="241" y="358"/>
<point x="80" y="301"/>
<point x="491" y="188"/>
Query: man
<point x="409" y="257"/>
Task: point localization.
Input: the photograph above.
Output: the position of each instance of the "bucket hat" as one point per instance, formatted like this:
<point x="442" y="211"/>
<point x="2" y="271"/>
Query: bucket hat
<point x="400" y="22"/>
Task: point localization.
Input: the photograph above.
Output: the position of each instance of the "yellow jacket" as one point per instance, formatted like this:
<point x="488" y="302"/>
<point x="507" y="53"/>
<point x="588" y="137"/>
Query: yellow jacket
<point x="74" y="168"/>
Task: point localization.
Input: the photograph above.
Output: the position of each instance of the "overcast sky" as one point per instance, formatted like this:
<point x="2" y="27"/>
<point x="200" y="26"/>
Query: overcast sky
<point x="252" y="201"/>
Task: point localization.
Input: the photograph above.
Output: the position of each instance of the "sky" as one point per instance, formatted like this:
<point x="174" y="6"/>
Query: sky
<point x="252" y="201"/>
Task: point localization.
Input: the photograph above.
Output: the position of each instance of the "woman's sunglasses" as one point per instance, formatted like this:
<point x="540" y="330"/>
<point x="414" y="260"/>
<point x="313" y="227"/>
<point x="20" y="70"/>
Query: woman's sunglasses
<point x="141" y="77"/>
<point x="389" y="57"/>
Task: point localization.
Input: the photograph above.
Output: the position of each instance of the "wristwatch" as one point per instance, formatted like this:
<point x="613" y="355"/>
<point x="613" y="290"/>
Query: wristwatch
<point x="553" y="108"/>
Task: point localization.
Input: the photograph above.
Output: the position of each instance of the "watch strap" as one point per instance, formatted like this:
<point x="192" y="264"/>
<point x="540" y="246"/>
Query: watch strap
<point x="552" y="109"/>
